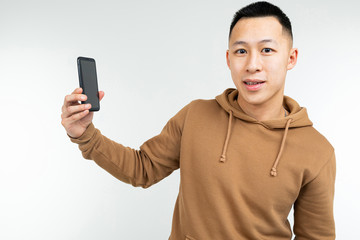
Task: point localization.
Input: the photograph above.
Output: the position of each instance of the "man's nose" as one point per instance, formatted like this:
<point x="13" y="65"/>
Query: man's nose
<point x="254" y="63"/>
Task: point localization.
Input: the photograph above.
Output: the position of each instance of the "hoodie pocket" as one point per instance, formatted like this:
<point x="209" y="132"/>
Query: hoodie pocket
<point x="187" y="237"/>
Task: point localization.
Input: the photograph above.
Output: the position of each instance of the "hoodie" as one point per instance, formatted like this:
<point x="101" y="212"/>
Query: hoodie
<point x="239" y="177"/>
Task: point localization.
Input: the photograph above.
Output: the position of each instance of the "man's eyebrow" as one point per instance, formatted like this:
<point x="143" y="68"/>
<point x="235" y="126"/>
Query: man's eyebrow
<point x="262" y="41"/>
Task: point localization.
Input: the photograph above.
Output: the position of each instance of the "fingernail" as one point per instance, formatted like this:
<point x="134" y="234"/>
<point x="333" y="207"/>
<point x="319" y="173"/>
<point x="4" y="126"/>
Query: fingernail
<point x="88" y="105"/>
<point x="82" y="97"/>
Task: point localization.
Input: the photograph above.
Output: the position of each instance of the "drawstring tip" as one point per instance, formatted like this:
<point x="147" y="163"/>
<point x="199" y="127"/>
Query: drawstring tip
<point x="222" y="158"/>
<point x="273" y="172"/>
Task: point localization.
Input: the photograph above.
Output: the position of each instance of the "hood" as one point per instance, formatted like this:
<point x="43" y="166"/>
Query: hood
<point x="297" y="117"/>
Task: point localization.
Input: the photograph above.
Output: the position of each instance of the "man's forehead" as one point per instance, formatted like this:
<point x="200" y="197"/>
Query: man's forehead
<point x="258" y="23"/>
<point x="257" y="30"/>
<point x="267" y="40"/>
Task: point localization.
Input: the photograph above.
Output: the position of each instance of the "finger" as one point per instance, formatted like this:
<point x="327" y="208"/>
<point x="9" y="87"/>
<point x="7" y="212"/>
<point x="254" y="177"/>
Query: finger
<point x="77" y="90"/>
<point x="75" y="117"/>
<point x="73" y="109"/>
<point x="74" y="98"/>
<point x="101" y="95"/>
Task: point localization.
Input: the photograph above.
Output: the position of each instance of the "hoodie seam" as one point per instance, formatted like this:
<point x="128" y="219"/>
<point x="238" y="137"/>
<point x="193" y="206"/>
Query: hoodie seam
<point x="321" y="168"/>
<point x="191" y="105"/>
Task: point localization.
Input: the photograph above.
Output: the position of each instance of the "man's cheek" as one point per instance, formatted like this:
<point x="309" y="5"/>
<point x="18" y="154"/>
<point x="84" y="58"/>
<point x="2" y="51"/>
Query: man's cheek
<point x="237" y="67"/>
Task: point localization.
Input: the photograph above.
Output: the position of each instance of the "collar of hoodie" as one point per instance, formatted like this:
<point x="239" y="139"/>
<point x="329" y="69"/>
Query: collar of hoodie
<point x="297" y="118"/>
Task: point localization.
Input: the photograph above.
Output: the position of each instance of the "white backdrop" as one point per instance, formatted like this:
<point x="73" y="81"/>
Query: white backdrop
<point x="153" y="57"/>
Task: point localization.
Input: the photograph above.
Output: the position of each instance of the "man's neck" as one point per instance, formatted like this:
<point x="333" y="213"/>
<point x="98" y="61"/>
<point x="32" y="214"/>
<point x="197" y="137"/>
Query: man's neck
<point x="272" y="109"/>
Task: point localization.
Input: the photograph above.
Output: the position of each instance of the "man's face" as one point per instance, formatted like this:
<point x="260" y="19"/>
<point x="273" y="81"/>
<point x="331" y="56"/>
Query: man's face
<point x="260" y="51"/>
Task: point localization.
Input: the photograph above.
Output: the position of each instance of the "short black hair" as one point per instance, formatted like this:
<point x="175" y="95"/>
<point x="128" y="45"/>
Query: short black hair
<point x="262" y="9"/>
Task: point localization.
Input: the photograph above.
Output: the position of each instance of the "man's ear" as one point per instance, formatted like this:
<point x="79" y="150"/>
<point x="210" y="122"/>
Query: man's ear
<point x="292" y="58"/>
<point x="227" y="58"/>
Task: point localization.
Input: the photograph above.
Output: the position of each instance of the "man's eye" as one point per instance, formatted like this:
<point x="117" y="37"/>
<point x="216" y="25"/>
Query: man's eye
<point x="241" y="51"/>
<point x="267" y="50"/>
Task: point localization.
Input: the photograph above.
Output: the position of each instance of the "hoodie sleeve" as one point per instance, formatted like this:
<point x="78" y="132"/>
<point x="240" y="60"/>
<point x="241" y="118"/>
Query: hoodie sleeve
<point x="313" y="210"/>
<point x="157" y="158"/>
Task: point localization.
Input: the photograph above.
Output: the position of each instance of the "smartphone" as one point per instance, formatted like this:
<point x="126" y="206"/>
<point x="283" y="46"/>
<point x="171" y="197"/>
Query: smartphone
<point x="88" y="81"/>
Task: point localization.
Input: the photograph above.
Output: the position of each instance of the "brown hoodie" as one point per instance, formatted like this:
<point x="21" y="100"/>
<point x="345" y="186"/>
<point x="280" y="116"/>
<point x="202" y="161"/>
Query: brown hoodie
<point x="239" y="177"/>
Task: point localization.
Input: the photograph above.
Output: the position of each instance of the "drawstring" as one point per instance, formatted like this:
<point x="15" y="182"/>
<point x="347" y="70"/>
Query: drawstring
<point x="273" y="171"/>
<point x="223" y="156"/>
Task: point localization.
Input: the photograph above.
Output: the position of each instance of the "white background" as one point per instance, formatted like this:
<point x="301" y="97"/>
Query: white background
<point x="153" y="57"/>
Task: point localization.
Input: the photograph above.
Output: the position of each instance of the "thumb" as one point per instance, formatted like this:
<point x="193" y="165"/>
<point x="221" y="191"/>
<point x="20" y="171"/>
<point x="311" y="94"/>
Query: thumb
<point x="101" y="95"/>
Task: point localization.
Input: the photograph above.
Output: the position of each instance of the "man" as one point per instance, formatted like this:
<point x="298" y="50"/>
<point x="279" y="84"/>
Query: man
<point x="245" y="158"/>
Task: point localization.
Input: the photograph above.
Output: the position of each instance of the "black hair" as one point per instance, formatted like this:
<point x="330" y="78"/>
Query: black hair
<point x="262" y="9"/>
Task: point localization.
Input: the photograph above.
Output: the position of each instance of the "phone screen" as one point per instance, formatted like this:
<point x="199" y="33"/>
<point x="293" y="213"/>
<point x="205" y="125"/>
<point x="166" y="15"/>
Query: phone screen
<point x="88" y="81"/>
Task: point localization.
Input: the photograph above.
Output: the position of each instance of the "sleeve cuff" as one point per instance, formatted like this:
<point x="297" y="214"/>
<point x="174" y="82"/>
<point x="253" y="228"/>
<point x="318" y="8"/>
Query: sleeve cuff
<point x="86" y="136"/>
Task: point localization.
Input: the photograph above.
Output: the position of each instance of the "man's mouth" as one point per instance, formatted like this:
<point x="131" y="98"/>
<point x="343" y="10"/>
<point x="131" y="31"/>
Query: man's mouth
<point x="253" y="85"/>
<point x="253" y="82"/>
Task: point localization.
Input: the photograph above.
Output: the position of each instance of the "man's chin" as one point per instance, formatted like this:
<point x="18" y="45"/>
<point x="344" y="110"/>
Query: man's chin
<point x="252" y="98"/>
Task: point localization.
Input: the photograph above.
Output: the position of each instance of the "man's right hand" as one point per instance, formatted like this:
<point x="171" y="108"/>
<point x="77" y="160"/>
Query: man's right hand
<point x="76" y="116"/>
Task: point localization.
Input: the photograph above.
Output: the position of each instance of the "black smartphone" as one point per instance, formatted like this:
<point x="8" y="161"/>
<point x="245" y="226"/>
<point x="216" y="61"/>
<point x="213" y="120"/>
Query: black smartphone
<point x="88" y="81"/>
